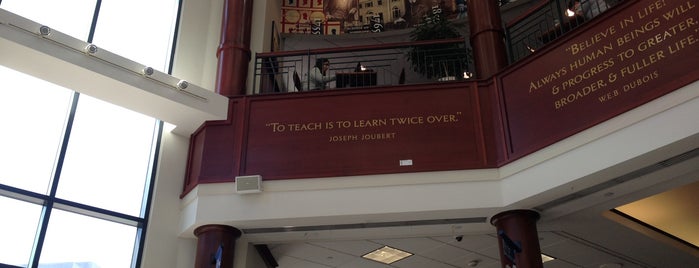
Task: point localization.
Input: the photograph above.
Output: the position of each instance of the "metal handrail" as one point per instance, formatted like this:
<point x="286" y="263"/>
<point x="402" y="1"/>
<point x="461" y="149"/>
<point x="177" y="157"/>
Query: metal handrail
<point x="391" y="64"/>
<point x="443" y="61"/>
<point x="547" y="21"/>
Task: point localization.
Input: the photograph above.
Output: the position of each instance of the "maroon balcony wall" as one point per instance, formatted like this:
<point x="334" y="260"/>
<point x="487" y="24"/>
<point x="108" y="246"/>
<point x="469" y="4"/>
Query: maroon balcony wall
<point x="632" y="54"/>
<point x="333" y="133"/>
<point x="214" y="149"/>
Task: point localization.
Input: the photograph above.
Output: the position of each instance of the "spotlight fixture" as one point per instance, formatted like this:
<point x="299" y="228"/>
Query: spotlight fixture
<point x="44" y="30"/>
<point x="182" y="84"/>
<point x="91" y="49"/>
<point x="148" y="71"/>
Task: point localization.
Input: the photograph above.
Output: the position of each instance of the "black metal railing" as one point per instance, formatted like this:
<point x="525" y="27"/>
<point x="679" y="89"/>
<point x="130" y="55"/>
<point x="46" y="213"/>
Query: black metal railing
<point x="420" y="61"/>
<point x="548" y="21"/>
<point x="365" y="66"/>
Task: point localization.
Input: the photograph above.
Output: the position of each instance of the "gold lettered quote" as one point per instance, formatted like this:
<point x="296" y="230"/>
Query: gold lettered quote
<point x="627" y="51"/>
<point x="364" y="129"/>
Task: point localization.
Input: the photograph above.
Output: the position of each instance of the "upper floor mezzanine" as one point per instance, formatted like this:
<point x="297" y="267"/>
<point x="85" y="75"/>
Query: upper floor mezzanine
<point x="627" y="56"/>
<point x="623" y="58"/>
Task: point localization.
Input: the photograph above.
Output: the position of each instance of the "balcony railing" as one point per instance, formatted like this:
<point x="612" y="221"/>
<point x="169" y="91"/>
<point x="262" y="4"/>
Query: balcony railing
<point x="548" y="21"/>
<point x="366" y="66"/>
<point x="421" y="61"/>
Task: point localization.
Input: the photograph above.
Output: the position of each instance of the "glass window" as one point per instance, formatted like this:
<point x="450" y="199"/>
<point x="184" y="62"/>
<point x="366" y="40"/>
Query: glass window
<point x="92" y="242"/>
<point x="33" y="112"/>
<point x="146" y="26"/>
<point x="17" y="229"/>
<point x="54" y="13"/>
<point x="107" y="161"/>
<point x="108" y="154"/>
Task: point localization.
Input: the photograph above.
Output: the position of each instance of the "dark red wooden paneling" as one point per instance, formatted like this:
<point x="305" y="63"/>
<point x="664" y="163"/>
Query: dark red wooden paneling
<point x="215" y="149"/>
<point x="625" y="59"/>
<point x="364" y="132"/>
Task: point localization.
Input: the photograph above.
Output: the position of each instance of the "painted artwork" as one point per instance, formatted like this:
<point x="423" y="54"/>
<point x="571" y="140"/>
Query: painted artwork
<point x="297" y="20"/>
<point x="418" y="10"/>
<point x="340" y="10"/>
<point x="333" y="17"/>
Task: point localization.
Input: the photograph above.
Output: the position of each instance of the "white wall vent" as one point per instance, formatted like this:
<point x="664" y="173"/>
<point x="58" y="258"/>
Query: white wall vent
<point x="248" y="184"/>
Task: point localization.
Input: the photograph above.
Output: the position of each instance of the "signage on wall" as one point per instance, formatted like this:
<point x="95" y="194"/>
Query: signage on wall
<point x="510" y="248"/>
<point x="643" y="51"/>
<point x="291" y="138"/>
<point x="375" y="26"/>
<point x="317" y="27"/>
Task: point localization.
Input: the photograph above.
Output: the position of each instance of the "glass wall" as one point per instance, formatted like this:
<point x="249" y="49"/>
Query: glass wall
<point x="76" y="172"/>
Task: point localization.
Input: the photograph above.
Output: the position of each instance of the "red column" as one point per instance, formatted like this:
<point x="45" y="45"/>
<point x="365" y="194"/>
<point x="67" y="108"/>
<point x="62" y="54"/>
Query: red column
<point x="487" y="37"/>
<point x="234" y="50"/>
<point x="517" y="232"/>
<point x="211" y="239"/>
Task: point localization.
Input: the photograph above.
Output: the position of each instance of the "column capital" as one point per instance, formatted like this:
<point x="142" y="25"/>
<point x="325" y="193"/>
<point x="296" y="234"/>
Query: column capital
<point x="217" y="228"/>
<point x="503" y="216"/>
<point x="215" y="245"/>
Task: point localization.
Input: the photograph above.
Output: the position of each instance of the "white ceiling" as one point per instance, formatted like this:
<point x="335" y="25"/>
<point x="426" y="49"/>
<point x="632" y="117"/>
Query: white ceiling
<point x="579" y="232"/>
<point x="438" y="252"/>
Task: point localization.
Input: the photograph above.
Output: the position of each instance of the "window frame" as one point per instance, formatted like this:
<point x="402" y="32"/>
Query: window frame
<point x="48" y="201"/>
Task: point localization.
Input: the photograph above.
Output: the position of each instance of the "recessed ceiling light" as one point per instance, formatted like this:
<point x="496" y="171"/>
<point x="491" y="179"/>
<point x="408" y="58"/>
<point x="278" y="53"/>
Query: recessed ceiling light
<point x="387" y="255"/>
<point x="545" y="258"/>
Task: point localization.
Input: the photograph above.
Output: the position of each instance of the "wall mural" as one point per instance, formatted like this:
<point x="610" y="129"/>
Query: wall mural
<point x="334" y="17"/>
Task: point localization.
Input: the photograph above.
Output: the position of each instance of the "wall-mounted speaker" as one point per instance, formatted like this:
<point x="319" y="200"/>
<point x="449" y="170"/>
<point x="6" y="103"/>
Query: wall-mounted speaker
<point x="248" y="184"/>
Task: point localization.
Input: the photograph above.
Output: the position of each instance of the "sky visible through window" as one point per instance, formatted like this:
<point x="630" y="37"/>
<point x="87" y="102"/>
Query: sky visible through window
<point x="106" y="161"/>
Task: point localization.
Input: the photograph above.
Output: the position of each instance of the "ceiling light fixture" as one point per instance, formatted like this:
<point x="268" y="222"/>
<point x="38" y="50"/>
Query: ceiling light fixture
<point x="387" y="255"/>
<point x="545" y="258"/>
